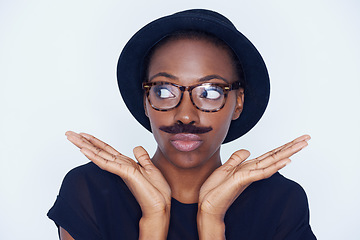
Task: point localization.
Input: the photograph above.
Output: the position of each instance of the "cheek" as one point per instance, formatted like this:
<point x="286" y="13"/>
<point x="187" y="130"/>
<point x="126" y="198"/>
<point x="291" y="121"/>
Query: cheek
<point x="220" y="127"/>
<point x="221" y="120"/>
<point x="157" y="119"/>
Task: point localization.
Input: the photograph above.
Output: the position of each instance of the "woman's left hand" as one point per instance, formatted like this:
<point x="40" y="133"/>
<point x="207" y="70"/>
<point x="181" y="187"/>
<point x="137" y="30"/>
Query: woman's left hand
<point x="227" y="182"/>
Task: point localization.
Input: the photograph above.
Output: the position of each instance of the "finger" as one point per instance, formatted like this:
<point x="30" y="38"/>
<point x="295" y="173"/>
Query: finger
<point x="143" y="157"/>
<point x="237" y="157"/>
<point x="110" y="166"/>
<point x="280" y="155"/>
<point x="259" y="174"/>
<point x="100" y="144"/>
<point x="82" y="142"/>
<point x="78" y="141"/>
<point x="74" y="134"/>
<point x="299" y="139"/>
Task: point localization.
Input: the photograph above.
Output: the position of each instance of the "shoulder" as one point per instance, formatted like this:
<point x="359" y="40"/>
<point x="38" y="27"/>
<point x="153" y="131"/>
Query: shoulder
<point x="275" y="192"/>
<point x="278" y="184"/>
<point x="88" y="172"/>
<point x="89" y="177"/>
<point x="84" y="171"/>
<point x="91" y="200"/>
<point x="74" y="208"/>
<point x="282" y="193"/>
<point x="290" y="202"/>
<point x="277" y="206"/>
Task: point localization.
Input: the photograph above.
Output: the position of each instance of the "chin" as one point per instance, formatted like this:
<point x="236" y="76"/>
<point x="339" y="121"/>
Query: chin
<point x="189" y="159"/>
<point x="186" y="160"/>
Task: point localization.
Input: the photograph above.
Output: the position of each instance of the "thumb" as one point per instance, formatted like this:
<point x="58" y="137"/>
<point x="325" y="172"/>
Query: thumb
<point x="237" y="157"/>
<point x="142" y="156"/>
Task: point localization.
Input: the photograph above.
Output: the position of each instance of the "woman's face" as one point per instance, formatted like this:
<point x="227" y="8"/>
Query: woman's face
<point x="186" y="62"/>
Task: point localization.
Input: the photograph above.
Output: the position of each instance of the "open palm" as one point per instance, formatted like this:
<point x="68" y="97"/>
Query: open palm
<point x="144" y="180"/>
<point x="227" y="182"/>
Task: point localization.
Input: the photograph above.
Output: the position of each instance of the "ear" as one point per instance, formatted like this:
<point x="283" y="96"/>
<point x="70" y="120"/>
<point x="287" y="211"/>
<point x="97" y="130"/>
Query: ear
<point x="239" y="104"/>
<point x="144" y="101"/>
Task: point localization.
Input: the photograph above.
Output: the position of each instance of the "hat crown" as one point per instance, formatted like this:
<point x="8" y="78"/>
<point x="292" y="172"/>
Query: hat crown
<point x="204" y="13"/>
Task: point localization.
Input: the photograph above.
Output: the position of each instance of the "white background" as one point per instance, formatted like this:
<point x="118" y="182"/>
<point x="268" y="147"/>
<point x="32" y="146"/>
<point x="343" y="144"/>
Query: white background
<point x="57" y="73"/>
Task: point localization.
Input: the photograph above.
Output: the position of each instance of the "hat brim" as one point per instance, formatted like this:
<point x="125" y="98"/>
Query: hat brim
<point x="130" y="65"/>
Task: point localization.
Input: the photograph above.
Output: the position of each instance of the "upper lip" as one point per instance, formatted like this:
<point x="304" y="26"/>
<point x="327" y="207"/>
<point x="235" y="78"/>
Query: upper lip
<point x="185" y="137"/>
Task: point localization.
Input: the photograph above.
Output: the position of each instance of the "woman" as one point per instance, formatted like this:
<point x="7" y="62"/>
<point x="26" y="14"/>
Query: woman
<point x="196" y="82"/>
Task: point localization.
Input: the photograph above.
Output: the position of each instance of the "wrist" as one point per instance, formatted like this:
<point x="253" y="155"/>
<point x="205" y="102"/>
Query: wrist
<point x="210" y="226"/>
<point x="154" y="227"/>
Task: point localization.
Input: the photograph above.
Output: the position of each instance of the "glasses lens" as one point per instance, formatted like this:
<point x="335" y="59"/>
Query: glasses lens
<point x="208" y="97"/>
<point x="164" y="96"/>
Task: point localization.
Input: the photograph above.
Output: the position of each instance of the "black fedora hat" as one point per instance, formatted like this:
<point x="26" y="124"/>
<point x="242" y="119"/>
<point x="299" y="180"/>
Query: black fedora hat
<point x="130" y="64"/>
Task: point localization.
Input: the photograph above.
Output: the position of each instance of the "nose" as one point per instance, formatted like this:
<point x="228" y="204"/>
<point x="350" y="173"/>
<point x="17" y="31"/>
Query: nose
<point x="186" y="112"/>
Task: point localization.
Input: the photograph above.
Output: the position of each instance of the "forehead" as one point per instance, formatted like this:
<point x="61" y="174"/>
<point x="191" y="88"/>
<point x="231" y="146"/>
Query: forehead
<point x="191" y="59"/>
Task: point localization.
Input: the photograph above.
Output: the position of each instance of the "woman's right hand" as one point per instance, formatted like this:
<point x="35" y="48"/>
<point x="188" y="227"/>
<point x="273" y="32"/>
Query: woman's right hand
<point x="144" y="180"/>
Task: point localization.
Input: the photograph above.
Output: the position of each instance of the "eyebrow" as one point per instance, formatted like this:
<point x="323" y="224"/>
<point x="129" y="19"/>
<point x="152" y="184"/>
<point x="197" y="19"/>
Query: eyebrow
<point x="213" y="76"/>
<point x="203" y="79"/>
<point x="164" y="74"/>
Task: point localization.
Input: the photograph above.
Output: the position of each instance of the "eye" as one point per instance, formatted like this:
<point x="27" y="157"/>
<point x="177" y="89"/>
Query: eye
<point x="212" y="93"/>
<point x="163" y="92"/>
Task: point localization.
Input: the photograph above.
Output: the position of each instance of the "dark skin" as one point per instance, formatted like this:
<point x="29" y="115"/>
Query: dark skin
<point x="190" y="177"/>
<point x="188" y="61"/>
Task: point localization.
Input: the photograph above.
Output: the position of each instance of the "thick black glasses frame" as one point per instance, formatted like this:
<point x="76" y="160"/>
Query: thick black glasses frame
<point x="225" y="87"/>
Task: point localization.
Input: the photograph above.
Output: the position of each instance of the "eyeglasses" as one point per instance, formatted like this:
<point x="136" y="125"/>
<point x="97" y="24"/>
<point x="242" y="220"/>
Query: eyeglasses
<point x="207" y="97"/>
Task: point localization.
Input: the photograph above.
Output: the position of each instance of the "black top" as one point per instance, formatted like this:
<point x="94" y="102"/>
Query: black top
<point x="96" y="204"/>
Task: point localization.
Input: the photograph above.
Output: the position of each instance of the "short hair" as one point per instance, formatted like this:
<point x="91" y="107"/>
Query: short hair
<point x="195" y="35"/>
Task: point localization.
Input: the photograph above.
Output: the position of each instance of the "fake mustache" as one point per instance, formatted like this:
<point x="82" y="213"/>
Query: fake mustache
<point x="185" y="128"/>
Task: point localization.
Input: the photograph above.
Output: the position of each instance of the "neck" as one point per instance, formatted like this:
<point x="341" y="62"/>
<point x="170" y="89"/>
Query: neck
<point x="185" y="183"/>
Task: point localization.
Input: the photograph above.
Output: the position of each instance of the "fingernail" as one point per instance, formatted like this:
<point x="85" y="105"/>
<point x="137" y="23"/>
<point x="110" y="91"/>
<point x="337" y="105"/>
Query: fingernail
<point x="69" y="132"/>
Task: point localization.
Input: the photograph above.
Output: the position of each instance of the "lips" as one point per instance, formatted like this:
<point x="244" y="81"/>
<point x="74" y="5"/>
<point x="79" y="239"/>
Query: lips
<point x="186" y="142"/>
